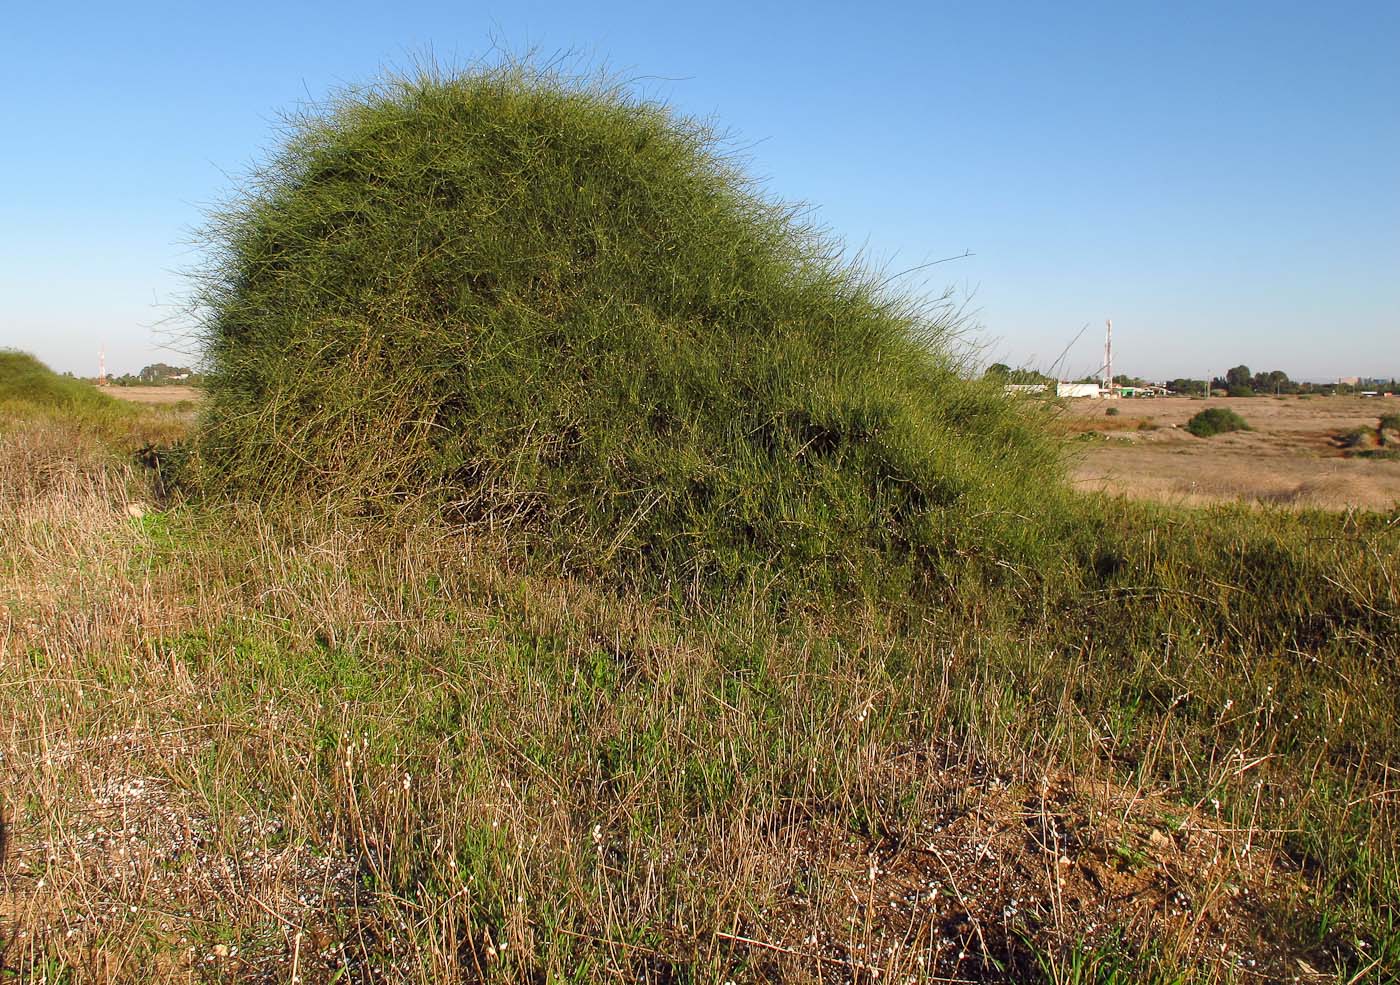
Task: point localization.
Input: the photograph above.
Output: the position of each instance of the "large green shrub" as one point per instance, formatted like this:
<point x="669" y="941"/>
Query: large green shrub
<point x="550" y="308"/>
<point x="1216" y="420"/>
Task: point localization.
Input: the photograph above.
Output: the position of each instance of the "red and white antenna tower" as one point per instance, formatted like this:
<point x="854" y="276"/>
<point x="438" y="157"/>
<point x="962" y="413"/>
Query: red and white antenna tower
<point x="1108" y="358"/>
<point x="102" y="366"/>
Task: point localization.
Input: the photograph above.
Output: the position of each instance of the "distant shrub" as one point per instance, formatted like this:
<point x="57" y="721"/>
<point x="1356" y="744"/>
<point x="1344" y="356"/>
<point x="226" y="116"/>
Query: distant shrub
<point x="1216" y="420"/>
<point x="1147" y="425"/>
<point x="1388" y="422"/>
<point x="1112" y="412"/>
<point x="1239" y="391"/>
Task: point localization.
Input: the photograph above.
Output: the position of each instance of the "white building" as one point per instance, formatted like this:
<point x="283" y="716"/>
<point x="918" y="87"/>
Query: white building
<point x="1076" y="390"/>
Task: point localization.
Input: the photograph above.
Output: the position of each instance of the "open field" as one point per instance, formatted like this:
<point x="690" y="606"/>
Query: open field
<point x="1291" y="458"/>
<point x="153" y="394"/>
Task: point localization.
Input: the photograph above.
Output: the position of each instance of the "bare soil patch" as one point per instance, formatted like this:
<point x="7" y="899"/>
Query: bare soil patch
<point x="1007" y="861"/>
<point x="1291" y="458"/>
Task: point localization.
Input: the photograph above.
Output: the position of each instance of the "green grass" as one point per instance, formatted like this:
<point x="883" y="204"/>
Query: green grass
<point x="1112" y="961"/>
<point x="1216" y="420"/>
<point x="26" y="383"/>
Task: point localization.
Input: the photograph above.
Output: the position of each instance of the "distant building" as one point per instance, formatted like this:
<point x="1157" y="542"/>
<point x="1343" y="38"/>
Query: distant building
<point x="1026" y="389"/>
<point x="1076" y="391"/>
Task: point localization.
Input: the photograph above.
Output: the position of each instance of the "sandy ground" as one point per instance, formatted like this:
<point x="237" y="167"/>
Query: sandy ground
<point x="153" y="394"/>
<point x="1290" y="458"/>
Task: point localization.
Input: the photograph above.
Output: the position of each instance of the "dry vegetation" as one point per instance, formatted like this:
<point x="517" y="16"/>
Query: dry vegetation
<point x="243" y="748"/>
<point x="155" y="394"/>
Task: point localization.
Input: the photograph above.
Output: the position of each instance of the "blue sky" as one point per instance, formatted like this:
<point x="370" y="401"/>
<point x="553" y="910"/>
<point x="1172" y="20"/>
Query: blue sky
<point x="1223" y="180"/>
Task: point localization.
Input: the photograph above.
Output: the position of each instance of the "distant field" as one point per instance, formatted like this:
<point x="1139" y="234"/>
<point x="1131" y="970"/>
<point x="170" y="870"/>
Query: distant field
<point x="153" y="394"/>
<point x="1290" y="458"/>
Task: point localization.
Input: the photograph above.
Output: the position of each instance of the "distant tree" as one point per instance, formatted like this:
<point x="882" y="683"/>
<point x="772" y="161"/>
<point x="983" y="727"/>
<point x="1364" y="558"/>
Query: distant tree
<point x="158" y="373"/>
<point x="1274" y="381"/>
<point x="1239" y="376"/>
<point x="1005" y="374"/>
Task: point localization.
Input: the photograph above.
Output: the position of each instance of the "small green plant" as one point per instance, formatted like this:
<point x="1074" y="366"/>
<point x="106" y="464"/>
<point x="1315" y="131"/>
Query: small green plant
<point x="1111" y="412"/>
<point x="1110" y="962"/>
<point x="1216" y="420"/>
<point x="1130" y="855"/>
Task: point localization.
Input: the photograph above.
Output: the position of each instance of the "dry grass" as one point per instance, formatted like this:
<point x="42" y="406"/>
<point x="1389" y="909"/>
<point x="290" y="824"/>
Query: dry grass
<point x="156" y="394"/>
<point x="237" y="747"/>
